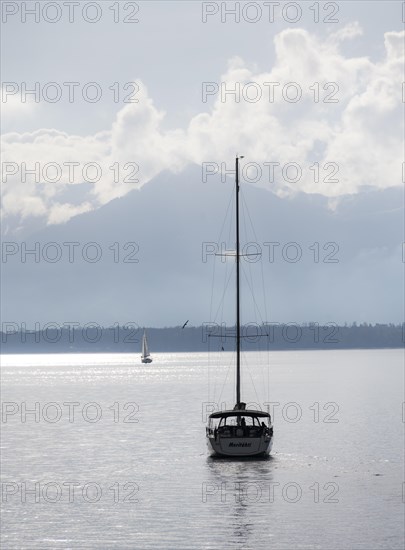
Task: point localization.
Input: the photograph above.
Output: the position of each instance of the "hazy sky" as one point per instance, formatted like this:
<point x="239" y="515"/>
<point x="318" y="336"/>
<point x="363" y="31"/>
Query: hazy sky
<point x="317" y="108"/>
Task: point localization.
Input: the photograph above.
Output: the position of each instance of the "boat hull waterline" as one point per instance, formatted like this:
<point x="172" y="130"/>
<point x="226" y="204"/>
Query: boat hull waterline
<point x="240" y="446"/>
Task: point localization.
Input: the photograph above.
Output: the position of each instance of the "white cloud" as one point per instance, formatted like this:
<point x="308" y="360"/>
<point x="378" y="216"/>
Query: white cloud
<point x="13" y="109"/>
<point x="349" y="31"/>
<point x="361" y="133"/>
<point x="60" y="213"/>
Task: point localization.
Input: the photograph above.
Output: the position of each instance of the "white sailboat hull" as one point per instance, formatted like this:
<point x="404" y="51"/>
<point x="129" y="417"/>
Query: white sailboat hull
<point x="239" y="446"/>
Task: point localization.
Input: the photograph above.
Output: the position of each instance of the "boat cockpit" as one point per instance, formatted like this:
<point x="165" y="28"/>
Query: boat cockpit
<point x="239" y="424"/>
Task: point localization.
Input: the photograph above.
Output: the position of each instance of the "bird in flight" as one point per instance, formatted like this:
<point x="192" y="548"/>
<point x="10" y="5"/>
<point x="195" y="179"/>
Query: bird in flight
<point x="185" y="323"/>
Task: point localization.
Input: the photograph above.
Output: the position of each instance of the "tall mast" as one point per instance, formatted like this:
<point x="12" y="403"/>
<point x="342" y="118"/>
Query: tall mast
<point x="237" y="286"/>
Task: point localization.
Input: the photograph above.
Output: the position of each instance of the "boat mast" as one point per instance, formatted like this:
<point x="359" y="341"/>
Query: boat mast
<point x="237" y="285"/>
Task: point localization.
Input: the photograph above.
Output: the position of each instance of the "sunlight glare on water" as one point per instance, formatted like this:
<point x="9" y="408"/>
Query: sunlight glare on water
<point x="125" y="464"/>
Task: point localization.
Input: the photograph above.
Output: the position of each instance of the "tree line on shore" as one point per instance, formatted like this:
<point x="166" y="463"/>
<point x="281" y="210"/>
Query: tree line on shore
<point x="94" y="338"/>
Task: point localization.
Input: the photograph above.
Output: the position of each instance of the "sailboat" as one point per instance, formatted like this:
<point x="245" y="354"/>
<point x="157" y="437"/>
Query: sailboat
<point x="145" y="357"/>
<point x="239" y="432"/>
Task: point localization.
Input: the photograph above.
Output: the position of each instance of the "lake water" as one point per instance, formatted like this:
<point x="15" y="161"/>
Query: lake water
<point x="114" y="455"/>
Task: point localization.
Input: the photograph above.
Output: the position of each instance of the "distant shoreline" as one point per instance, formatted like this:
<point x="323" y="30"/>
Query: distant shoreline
<point x="89" y="352"/>
<point x="209" y="337"/>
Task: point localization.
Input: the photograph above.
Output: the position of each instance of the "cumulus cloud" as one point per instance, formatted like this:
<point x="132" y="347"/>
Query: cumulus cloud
<point x="348" y="119"/>
<point x="354" y="128"/>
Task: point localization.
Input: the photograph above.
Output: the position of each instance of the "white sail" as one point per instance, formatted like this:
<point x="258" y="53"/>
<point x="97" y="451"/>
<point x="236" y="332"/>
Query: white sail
<point x="145" y="349"/>
<point x="146" y="358"/>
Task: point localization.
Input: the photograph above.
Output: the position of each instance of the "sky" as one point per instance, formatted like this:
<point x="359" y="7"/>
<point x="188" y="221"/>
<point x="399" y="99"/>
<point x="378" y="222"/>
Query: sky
<point x="138" y="101"/>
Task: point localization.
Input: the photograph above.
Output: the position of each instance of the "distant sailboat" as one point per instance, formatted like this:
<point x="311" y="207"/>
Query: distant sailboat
<point x="145" y="357"/>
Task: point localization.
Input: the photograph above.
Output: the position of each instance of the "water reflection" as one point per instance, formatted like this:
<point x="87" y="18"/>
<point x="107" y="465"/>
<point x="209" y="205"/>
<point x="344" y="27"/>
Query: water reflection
<point x="242" y="490"/>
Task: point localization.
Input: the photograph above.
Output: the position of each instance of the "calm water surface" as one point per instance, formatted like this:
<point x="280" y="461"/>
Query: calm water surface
<point x="114" y="454"/>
